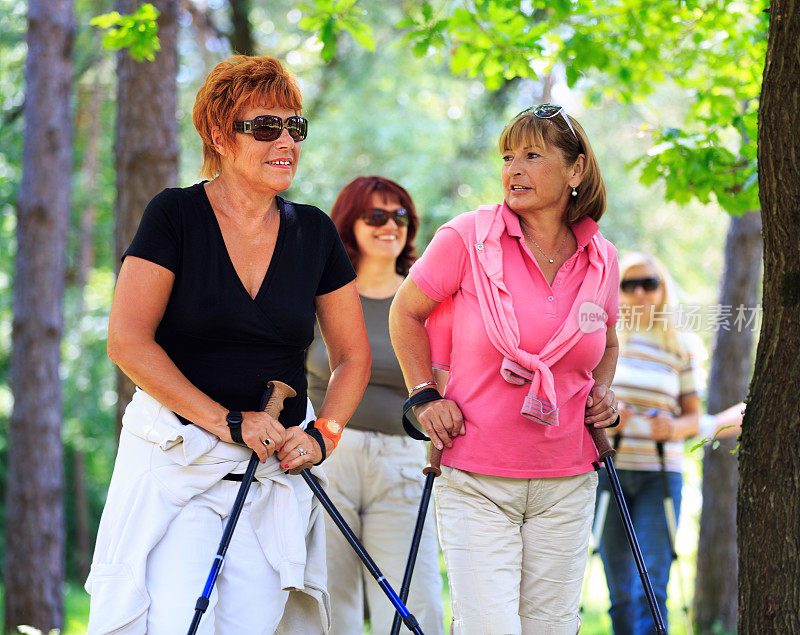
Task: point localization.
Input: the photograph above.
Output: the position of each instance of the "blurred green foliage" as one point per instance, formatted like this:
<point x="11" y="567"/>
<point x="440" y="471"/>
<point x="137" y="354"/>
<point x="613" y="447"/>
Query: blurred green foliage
<point x="330" y="18"/>
<point x="137" y="32"/>
<point x="400" y="111"/>
<point x="627" y="50"/>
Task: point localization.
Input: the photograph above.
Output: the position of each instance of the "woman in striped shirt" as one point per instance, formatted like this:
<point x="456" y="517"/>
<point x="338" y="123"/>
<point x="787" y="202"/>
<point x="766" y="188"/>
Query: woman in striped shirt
<point x="657" y="382"/>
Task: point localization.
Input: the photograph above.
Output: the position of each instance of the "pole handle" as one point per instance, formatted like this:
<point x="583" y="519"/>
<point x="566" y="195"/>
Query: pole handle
<point x="604" y="449"/>
<point x="434" y="465"/>
<point x="279" y="391"/>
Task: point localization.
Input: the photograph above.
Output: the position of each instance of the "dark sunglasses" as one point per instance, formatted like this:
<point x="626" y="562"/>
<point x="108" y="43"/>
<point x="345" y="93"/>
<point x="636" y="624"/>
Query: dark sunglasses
<point x="629" y="285"/>
<point x="548" y="111"/>
<point x="270" y="127"/>
<point x="379" y="217"/>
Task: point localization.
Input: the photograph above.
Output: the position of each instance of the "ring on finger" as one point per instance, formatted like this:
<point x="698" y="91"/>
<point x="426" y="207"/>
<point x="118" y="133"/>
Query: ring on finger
<point x="613" y="409"/>
<point x="267" y="442"/>
<point x="301" y="451"/>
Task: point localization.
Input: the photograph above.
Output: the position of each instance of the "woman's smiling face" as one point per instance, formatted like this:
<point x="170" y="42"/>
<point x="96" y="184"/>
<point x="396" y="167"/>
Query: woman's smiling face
<point x="265" y="164"/>
<point x="386" y="241"/>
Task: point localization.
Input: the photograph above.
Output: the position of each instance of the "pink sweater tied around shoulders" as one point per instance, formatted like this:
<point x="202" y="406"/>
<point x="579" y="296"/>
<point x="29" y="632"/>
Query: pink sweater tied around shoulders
<point x="520" y="366"/>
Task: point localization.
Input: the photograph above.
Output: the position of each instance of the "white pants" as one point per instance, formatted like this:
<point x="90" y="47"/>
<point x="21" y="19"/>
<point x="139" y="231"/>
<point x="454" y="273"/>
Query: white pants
<point x="376" y="482"/>
<point x="247" y="598"/>
<point x="515" y="550"/>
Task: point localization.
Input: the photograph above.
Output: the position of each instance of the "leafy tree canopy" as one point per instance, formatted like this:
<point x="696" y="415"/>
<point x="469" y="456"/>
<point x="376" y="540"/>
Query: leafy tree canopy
<point x="712" y="49"/>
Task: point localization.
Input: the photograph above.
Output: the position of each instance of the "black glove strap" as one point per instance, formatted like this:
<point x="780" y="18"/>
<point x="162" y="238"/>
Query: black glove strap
<point x="315" y="434"/>
<point x="423" y="396"/>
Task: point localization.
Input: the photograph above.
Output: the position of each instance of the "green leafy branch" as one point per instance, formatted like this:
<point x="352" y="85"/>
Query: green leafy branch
<point x="424" y="30"/>
<point x="329" y="18"/>
<point x="493" y="39"/>
<point x="714" y="441"/>
<point x="137" y="32"/>
<point x="699" y="165"/>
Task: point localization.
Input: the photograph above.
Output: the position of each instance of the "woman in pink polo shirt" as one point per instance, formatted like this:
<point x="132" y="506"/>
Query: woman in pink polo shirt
<point x="531" y="286"/>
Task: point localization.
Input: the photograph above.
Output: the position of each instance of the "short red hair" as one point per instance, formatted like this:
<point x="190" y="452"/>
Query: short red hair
<point x="356" y="197"/>
<point x="233" y="86"/>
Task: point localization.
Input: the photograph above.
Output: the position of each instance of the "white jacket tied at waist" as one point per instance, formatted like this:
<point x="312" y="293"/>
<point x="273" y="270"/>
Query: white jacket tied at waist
<point x="161" y="464"/>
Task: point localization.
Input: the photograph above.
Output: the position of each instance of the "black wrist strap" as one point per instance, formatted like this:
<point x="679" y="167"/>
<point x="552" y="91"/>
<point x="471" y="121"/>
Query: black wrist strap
<point x="423" y="396"/>
<point x="236" y="432"/>
<point x="315" y="434"/>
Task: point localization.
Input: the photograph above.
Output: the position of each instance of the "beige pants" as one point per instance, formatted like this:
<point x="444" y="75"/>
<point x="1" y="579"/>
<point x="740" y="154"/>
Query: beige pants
<point x="515" y="550"/>
<point x="376" y="483"/>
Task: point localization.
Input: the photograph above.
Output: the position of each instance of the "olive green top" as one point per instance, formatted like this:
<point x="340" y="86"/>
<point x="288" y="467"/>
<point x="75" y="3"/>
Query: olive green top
<point x="381" y="407"/>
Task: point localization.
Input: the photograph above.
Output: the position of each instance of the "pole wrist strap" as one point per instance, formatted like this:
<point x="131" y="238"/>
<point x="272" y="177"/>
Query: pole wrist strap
<point x="423" y="396"/>
<point x="317" y="436"/>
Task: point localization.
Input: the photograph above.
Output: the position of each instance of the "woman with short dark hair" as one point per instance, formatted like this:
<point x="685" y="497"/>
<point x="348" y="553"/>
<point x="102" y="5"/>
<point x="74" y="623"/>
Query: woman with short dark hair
<point x="376" y="474"/>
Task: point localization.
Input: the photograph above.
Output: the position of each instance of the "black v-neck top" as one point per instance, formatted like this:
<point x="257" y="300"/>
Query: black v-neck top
<point x="225" y="342"/>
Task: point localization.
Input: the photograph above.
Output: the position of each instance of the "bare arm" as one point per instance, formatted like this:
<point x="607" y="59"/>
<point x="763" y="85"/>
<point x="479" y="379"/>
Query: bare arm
<point x="601" y="404"/>
<point x="140" y="298"/>
<point x="410" y="308"/>
<point x="341" y="323"/>
<point x="441" y="419"/>
<point x="728" y="423"/>
<point x="665" y="427"/>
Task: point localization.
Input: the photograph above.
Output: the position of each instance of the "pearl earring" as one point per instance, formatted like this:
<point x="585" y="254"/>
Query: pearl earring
<point x="574" y="191"/>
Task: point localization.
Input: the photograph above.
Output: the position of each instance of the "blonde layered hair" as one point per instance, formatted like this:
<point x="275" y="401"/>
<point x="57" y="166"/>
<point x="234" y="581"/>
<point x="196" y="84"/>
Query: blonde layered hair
<point x="527" y="129"/>
<point x="664" y="326"/>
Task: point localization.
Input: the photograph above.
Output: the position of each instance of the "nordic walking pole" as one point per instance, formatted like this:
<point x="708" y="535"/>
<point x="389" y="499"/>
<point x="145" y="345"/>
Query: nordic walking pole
<point x="431" y="471"/>
<point x="606" y="455"/>
<point x="672" y="527"/>
<point x="408" y="619"/>
<point x="597" y="530"/>
<point x="272" y="403"/>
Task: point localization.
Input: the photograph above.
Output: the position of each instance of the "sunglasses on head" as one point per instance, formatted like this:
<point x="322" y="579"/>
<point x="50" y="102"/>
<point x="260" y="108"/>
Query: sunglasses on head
<point x="270" y="127"/>
<point x="379" y="217"/>
<point x="548" y="111"/>
<point x="629" y="285"/>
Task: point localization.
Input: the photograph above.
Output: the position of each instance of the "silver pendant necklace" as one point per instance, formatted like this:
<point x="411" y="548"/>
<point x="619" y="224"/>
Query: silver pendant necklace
<point x="533" y="240"/>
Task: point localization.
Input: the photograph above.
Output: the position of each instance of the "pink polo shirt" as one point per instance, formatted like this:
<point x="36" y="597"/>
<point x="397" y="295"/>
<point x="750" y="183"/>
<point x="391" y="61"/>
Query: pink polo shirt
<point x="499" y="441"/>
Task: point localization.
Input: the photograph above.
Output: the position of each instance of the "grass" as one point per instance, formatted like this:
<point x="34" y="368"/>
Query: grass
<point x="594" y="615"/>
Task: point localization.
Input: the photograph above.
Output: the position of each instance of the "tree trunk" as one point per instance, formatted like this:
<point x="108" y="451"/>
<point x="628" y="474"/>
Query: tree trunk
<point x="87" y="123"/>
<point x="769" y="456"/>
<point x="35" y="516"/>
<point x="715" y="587"/>
<point x="146" y="148"/>
<point x="241" y="37"/>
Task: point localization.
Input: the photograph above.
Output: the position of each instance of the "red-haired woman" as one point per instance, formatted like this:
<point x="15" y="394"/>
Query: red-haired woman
<point x="375" y="475"/>
<point x="217" y="294"/>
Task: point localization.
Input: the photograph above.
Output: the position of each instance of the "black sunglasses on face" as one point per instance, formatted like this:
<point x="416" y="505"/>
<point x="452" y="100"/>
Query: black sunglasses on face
<point x="379" y="217"/>
<point x="270" y="127"/>
<point x="629" y="285"/>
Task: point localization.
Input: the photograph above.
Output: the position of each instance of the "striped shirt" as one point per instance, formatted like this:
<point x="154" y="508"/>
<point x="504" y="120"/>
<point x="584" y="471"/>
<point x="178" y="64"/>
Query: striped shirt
<point x="649" y="377"/>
